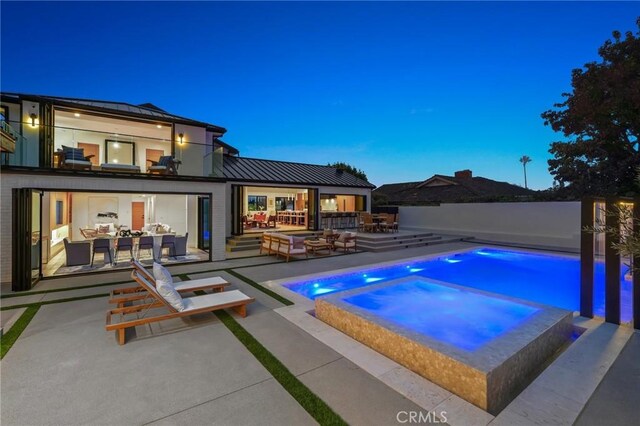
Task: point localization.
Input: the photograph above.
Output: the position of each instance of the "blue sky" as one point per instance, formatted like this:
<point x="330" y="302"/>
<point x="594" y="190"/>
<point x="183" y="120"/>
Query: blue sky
<point x="400" y="90"/>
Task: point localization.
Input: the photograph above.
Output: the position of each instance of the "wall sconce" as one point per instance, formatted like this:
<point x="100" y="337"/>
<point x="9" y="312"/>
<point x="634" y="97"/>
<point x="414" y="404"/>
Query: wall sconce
<point x="181" y="138"/>
<point x="33" y="117"/>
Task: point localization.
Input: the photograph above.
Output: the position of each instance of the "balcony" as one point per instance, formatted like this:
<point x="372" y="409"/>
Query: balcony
<point x="114" y="145"/>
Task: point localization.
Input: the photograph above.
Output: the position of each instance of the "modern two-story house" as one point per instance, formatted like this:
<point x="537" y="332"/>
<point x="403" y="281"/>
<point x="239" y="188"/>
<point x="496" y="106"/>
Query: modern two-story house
<point x="86" y="184"/>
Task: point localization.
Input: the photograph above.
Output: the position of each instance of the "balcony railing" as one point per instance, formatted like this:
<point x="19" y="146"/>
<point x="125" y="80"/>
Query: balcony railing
<point x="8" y="138"/>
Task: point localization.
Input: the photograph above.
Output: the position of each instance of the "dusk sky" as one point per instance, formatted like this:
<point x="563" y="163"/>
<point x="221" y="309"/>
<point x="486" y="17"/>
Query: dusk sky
<point x="400" y="90"/>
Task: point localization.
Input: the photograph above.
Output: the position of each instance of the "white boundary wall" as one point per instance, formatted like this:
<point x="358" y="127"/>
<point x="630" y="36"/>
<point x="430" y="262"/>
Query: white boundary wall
<point x="549" y="224"/>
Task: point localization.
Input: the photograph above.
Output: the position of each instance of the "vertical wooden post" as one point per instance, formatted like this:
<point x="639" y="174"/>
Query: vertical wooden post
<point x="611" y="267"/>
<point x="635" y="291"/>
<point x="586" y="257"/>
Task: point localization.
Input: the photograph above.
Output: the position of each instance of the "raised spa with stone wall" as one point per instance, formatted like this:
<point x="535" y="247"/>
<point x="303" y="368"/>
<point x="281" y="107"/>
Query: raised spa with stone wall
<point x="483" y="347"/>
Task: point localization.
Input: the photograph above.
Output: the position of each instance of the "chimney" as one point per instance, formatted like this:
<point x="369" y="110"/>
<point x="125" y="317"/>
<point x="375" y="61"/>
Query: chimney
<point x="463" y="174"/>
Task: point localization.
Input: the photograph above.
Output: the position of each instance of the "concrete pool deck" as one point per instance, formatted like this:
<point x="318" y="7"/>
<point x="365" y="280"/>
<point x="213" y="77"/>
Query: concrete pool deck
<point x="196" y="372"/>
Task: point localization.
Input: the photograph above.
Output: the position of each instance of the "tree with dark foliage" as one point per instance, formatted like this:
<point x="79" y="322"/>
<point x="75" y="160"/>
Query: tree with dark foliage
<point x="349" y="169"/>
<point x="601" y="119"/>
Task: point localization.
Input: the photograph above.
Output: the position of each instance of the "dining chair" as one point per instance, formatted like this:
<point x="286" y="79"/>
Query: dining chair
<point x="145" y="243"/>
<point x="102" y="245"/>
<point x="124" y="244"/>
<point x="168" y="242"/>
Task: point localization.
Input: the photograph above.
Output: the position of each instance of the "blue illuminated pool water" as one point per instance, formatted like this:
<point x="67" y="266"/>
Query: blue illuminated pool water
<point x="546" y="279"/>
<point x="461" y="318"/>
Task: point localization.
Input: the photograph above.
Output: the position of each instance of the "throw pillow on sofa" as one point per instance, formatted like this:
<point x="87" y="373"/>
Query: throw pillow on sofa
<point x="298" y="242"/>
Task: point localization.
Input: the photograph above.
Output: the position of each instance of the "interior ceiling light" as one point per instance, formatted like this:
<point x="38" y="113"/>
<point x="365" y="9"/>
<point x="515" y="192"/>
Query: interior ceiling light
<point x="77" y="114"/>
<point x="159" y="126"/>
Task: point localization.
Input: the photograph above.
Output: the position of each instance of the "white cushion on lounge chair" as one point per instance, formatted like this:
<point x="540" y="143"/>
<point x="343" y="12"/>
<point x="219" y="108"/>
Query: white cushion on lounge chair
<point x="298" y="251"/>
<point x="214" y="299"/>
<point x="170" y="295"/>
<point x="186" y="285"/>
<point x="160" y="273"/>
<point x="164" y="286"/>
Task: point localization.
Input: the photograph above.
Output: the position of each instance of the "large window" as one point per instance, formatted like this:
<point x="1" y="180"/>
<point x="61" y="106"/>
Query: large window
<point x="257" y="203"/>
<point x="120" y="152"/>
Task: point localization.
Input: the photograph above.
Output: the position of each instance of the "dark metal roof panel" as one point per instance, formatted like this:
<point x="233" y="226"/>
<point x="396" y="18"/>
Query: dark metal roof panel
<point x="271" y="171"/>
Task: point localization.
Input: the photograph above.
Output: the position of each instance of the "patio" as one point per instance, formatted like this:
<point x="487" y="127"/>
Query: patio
<point x="197" y="372"/>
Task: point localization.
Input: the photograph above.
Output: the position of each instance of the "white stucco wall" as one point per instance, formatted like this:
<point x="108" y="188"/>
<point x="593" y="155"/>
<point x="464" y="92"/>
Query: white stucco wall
<point x="555" y="224"/>
<point x="70" y="183"/>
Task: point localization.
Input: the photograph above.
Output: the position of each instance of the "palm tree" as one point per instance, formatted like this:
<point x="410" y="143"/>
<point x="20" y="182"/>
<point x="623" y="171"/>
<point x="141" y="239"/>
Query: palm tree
<point x="524" y="160"/>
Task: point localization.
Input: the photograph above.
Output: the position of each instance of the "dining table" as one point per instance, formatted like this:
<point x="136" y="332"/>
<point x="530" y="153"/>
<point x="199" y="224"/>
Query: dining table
<point x="157" y="244"/>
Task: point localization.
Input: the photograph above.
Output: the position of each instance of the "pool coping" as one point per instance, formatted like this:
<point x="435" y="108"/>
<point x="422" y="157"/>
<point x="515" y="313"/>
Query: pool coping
<point x="433" y="398"/>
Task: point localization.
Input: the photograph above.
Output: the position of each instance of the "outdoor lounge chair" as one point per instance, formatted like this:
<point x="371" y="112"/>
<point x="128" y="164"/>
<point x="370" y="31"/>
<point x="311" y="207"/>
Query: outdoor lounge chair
<point x="234" y="299"/>
<point x="72" y="158"/>
<point x="121" y="296"/>
<point x="166" y="165"/>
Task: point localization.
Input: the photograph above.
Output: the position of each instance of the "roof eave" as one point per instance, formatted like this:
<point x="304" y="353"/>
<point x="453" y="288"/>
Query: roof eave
<point x="70" y="104"/>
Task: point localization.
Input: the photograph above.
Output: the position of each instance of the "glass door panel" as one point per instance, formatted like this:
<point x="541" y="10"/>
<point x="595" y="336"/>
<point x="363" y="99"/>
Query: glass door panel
<point x="312" y="208"/>
<point x="36" y="236"/>
<point x="204" y="223"/>
<point x="237" y="209"/>
<point x="27" y="239"/>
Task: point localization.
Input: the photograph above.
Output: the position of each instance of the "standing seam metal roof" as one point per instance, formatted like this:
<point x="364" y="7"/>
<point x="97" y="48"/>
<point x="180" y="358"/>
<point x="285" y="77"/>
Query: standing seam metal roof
<point x="271" y="171"/>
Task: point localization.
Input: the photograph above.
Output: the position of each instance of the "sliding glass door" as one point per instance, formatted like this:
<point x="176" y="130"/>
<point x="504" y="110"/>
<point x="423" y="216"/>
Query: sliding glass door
<point x="237" y="209"/>
<point x="27" y="238"/>
<point x="313" y="201"/>
<point x="204" y="223"/>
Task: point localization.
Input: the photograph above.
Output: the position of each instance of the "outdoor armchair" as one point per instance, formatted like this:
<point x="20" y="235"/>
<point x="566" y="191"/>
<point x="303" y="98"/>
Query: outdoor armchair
<point x="166" y="165"/>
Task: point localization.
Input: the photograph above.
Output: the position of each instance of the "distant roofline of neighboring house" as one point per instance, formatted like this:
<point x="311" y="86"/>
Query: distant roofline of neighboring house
<point x="463" y="186"/>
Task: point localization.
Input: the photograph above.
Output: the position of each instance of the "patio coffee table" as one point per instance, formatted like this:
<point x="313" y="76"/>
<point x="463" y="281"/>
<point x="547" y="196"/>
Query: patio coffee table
<point x="315" y="246"/>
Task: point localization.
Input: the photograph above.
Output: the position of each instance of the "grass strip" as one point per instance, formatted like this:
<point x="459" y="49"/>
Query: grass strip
<point x="56" y="290"/>
<point x="263" y="289"/>
<point x="50" y="302"/>
<point x="10" y="337"/>
<point x="315" y="406"/>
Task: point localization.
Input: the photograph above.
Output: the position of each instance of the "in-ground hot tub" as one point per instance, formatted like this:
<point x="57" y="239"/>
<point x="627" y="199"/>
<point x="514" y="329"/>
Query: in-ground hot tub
<point x="481" y="346"/>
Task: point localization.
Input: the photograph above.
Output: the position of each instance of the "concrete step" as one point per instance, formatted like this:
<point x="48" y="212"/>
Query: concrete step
<point x="391" y="236"/>
<point x="399" y="245"/>
<point x="243" y="242"/>
<point x="241" y="248"/>
<point x="397" y="242"/>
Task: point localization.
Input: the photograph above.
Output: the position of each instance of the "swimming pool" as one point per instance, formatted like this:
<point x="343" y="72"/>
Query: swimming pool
<point x="540" y="278"/>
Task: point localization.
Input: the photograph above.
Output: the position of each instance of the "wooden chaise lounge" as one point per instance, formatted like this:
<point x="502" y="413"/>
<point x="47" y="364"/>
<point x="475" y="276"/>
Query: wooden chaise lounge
<point x="234" y="299"/>
<point x="121" y="296"/>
